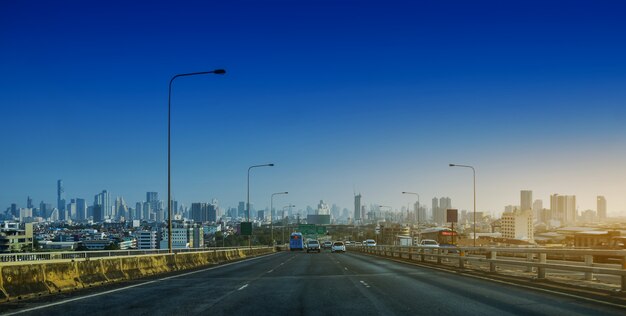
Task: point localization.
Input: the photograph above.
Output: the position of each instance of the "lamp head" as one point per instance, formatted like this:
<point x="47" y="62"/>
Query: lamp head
<point x="219" y="71"/>
<point x="452" y="165"/>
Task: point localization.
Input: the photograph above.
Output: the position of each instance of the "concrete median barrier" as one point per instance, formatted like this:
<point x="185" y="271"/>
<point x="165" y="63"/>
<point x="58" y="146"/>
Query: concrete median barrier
<point x="91" y="273"/>
<point x="23" y="281"/>
<point x="61" y="276"/>
<point x="32" y="279"/>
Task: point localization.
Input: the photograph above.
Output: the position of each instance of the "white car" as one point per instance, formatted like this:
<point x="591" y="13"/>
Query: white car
<point x="370" y="243"/>
<point x="338" y="246"/>
<point x="429" y="243"/>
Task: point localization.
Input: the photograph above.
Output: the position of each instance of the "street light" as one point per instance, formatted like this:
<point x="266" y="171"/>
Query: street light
<point x="474" y="173"/>
<point x="169" y="125"/>
<point x="419" y="230"/>
<point x="248" y="204"/>
<point x="272" y="210"/>
<point x="284" y="207"/>
<point x="248" y="200"/>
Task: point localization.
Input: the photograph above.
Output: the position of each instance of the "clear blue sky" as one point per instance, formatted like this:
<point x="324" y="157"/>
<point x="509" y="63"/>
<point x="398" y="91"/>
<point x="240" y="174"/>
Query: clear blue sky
<point x="376" y="97"/>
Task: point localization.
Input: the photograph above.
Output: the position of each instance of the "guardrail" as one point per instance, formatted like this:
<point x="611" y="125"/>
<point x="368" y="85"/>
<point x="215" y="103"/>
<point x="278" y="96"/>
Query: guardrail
<point x="70" y="255"/>
<point x="536" y="259"/>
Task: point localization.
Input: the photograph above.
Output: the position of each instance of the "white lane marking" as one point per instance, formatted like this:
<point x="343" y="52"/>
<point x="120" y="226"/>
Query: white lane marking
<point x="243" y="287"/>
<point x="514" y="284"/>
<point x="345" y="268"/>
<point x="270" y="271"/>
<point x="129" y="287"/>
<point x="365" y="284"/>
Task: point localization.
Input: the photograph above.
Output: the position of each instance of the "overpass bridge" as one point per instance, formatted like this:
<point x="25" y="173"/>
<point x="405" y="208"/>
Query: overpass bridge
<point x="374" y="281"/>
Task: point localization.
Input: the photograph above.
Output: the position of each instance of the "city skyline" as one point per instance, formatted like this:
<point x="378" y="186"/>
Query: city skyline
<point x="376" y="106"/>
<point x="526" y="202"/>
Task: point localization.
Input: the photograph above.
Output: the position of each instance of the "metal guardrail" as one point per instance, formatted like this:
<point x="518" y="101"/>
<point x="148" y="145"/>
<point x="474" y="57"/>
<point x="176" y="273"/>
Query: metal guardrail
<point x="536" y="258"/>
<point x="71" y="255"/>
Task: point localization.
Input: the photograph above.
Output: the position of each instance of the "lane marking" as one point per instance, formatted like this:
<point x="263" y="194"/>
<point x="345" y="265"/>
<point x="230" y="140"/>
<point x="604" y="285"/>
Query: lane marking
<point x="243" y="287"/>
<point x="345" y="268"/>
<point x="270" y="271"/>
<point x="132" y="286"/>
<point x="365" y="284"/>
<point x="504" y="282"/>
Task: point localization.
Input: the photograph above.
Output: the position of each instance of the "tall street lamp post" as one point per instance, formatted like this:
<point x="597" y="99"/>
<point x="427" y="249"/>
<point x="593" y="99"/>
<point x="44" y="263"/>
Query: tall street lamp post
<point x="474" y="173"/>
<point x="169" y="125"/>
<point x="248" y="199"/>
<point x="419" y="230"/>
<point x="288" y="206"/>
<point x="272" y="217"/>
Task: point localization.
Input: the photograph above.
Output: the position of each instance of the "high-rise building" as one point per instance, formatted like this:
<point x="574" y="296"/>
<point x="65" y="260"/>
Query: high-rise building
<point x="357" y="207"/>
<point x="98" y="214"/>
<point x="81" y="209"/>
<point x="439" y="213"/>
<point x="435" y="208"/>
<point x="29" y="202"/>
<point x="563" y="208"/>
<point x="152" y="198"/>
<point x="322" y="208"/>
<point x="241" y="209"/>
<point x="60" y="196"/>
<point x="71" y="210"/>
<point x="526" y="200"/>
<point x="601" y="208"/>
<point x="537" y="207"/>
<point x="138" y="211"/>
<point x="200" y="212"/>
<point x="104" y="201"/>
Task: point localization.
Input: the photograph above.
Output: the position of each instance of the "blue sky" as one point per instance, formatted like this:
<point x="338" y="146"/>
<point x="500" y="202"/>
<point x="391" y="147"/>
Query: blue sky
<point x="376" y="97"/>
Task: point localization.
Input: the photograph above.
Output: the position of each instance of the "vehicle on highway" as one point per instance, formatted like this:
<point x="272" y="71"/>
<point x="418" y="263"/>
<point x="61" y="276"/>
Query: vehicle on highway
<point x="327" y="244"/>
<point x="313" y="245"/>
<point x="370" y="242"/>
<point x="296" y="242"/>
<point x="441" y="235"/>
<point x="429" y="243"/>
<point x="338" y="246"/>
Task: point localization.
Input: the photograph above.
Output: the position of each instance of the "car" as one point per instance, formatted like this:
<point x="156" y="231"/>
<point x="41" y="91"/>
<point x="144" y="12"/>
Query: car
<point x="327" y="244"/>
<point x="429" y="243"/>
<point x="370" y="243"/>
<point x="338" y="246"/>
<point x="313" y="245"/>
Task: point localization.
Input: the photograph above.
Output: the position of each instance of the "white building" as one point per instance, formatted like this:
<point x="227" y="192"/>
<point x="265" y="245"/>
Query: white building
<point x="518" y="225"/>
<point x="146" y="239"/>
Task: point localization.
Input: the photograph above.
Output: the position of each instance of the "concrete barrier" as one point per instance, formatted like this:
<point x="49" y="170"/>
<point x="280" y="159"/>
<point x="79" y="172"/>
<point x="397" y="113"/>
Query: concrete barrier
<point x="91" y="273"/>
<point x="61" y="276"/>
<point x="23" y="281"/>
<point x="112" y="269"/>
<point x="32" y="279"/>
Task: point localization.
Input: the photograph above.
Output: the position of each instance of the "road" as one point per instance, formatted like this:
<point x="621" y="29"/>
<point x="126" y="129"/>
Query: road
<point x="315" y="284"/>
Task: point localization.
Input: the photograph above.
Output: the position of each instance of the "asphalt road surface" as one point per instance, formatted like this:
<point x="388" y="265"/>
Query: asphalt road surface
<point x="314" y="284"/>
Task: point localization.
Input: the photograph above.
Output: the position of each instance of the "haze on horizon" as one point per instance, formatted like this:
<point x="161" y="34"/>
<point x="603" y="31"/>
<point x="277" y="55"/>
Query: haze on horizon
<point x="343" y="98"/>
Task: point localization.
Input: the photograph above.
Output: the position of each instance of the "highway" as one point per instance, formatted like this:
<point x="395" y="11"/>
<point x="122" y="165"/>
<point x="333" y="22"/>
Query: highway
<point x="312" y="284"/>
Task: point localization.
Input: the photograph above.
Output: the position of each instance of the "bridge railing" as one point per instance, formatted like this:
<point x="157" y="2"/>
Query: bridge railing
<point x="72" y="255"/>
<point x="533" y="260"/>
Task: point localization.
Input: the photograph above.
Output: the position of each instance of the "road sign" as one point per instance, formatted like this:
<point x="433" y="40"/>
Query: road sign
<point x="452" y="215"/>
<point x="246" y="229"/>
<point x="311" y="229"/>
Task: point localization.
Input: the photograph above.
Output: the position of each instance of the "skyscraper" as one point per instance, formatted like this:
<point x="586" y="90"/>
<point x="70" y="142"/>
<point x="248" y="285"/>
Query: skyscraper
<point x="526" y="200"/>
<point x="81" y="209"/>
<point x="60" y="196"/>
<point x="152" y="199"/>
<point x="103" y="200"/>
<point x="357" y="207"/>
<point x="200" y="212"/>
<point x="435" y="209"/>
<point x="241" y="209"/>
<point x="601" y="208"/>
<point x="563" y="208"/>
